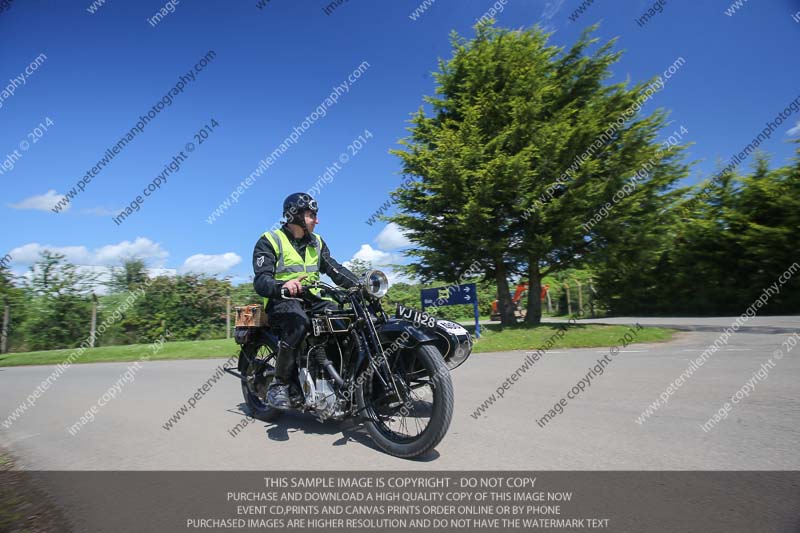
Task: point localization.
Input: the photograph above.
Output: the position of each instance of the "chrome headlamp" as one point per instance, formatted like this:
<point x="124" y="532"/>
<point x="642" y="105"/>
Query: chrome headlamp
<point x="376" y="283"/>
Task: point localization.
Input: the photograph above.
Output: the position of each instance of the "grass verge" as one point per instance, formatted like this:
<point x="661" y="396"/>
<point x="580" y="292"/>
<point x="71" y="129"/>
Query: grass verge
<point x="493" y="339"/>
<point x="23" y="506"/>
<point x="132" y="352"/>
<point x="530" y="338"/>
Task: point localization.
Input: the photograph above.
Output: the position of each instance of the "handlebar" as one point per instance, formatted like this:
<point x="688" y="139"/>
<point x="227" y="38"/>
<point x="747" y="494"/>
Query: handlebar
<point x="285" y="294"/>
<point x="334" y="292"/>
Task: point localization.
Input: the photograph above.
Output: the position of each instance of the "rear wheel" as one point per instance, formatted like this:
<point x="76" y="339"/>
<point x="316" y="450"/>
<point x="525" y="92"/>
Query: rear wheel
<point x="415" y="421"/>
<point x="257" y="376"/>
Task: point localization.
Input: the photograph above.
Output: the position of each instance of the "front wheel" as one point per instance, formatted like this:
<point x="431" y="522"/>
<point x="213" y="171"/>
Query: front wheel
<point x="408" y="412"/>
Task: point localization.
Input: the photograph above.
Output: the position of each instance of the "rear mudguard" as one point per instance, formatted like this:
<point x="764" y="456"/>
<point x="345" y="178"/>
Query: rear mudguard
<point x="253" y="336"/>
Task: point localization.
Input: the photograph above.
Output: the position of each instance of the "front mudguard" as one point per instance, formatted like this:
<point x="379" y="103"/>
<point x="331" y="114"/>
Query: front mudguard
<point x="451" y="339"/>
<point x="396" y="335"/>
<point x="403" y="334"/>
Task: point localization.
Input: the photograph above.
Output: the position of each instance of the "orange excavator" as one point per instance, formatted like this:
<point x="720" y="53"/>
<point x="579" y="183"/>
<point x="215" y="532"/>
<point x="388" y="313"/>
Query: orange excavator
<point x="522" y="290"/>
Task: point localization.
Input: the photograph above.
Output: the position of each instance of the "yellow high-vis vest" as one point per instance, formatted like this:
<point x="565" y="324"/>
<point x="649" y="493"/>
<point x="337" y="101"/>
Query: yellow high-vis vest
<point x="289" y="263"/>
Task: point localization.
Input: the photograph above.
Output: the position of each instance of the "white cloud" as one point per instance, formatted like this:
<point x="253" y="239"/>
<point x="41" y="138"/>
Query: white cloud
<point x="392" y="238"/>
<point x="210" y="264"/>
<point x="373" y="255"/>
<point x="110" y="255"/>
<point x="43" y="202"/>
<point x="381" y="260"/>
<point x="29" y="253"/>
<point x="155" y="272"/>
<point x="102" y="260"/>
<point x="551" y="9"/>
<point x="102" y="275"/>
<point x="141" y="248"/>
<point x="795" y="130"/>
<point x="396" y="277"/>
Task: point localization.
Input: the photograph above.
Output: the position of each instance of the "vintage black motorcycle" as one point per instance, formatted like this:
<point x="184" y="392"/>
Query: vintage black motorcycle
<point x="393" y="374"/>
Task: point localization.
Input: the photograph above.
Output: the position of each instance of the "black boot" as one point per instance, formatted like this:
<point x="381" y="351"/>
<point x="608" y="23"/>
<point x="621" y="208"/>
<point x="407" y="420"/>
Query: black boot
<point x="278" y="394"/>
<point x="296" y="398"/>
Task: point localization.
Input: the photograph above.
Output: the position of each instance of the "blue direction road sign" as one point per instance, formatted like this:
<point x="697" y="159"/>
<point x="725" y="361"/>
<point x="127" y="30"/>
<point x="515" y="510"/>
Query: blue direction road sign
<point x="453" y="295"/>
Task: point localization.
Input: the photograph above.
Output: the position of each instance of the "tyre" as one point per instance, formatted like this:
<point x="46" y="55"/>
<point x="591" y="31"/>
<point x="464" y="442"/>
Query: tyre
<point x="256" y="379"/>
<point x="425" y="395"/>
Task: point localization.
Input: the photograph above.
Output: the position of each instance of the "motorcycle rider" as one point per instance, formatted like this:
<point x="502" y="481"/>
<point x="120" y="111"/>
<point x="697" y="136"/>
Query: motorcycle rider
<point x="284" y="258"/>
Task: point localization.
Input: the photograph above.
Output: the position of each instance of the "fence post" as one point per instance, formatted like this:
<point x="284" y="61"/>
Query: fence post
<point x="580" y="298"/>
<point x="228" y="317"/>
<point x="93" y="327"/>
<point x="6" y="317"/>
<point x="569" y="302"/>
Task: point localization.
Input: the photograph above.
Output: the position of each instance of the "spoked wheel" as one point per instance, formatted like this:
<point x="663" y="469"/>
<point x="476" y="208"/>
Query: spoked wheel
<point x="257" y="377"/>
<point x="414" y="422"/>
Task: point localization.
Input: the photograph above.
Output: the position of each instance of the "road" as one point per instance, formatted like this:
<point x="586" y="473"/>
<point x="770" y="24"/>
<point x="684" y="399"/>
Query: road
<point x="596" y="431"/>
<point x="757" y="324"/>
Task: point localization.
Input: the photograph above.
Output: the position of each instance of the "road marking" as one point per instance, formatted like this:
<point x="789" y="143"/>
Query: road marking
<point x="24" y="436"/>
<point x="627" y="351"/>
<point x="700" y="350"/>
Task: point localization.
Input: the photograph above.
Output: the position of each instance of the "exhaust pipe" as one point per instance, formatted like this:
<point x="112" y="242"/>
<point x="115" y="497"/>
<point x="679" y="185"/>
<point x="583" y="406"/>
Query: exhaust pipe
<point x="233" y="373"/>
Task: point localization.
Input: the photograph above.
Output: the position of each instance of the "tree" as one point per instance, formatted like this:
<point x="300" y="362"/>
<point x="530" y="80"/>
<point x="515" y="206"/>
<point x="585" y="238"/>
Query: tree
<point x="13" y="297"/>
<point x="131" y="275"/>
<point x="60" y="308"/>
<point x="5" y="279"/>
<point x="53" y="276"/>
<point x="245" y="294"/>
<point x="190" y="306"/>
<point x="768" y="208"/>
<point x="712" y="252"/>
<point x="490" y="163"/>
<point x="619" y="190"/>
<point x="359" y="267"/>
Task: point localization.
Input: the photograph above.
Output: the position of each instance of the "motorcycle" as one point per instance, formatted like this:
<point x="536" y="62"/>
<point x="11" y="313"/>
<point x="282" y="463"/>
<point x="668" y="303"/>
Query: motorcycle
<point x="356" y="362"/>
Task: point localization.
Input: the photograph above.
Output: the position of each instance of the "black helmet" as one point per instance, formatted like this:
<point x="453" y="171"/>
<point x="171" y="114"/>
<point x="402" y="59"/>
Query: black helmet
<point x="295" y="206"/>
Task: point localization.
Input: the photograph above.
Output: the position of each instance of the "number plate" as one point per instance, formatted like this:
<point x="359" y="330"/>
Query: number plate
<point x="417" y="317"/>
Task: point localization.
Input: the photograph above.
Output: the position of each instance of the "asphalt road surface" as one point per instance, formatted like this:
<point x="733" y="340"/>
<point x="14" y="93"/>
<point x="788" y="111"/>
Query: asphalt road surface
<point x="596" y="431"/>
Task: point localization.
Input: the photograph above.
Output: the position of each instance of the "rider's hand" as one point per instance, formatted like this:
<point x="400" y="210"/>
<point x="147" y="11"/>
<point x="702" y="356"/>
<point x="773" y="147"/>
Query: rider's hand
<point x="294" y="286"/>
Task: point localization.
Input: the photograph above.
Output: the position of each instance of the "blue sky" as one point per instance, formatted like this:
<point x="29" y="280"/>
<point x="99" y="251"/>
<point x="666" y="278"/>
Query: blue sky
<point x="272" y="68"/>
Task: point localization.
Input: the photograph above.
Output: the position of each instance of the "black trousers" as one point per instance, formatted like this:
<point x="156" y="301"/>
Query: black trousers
<point x="293" y="323"/>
